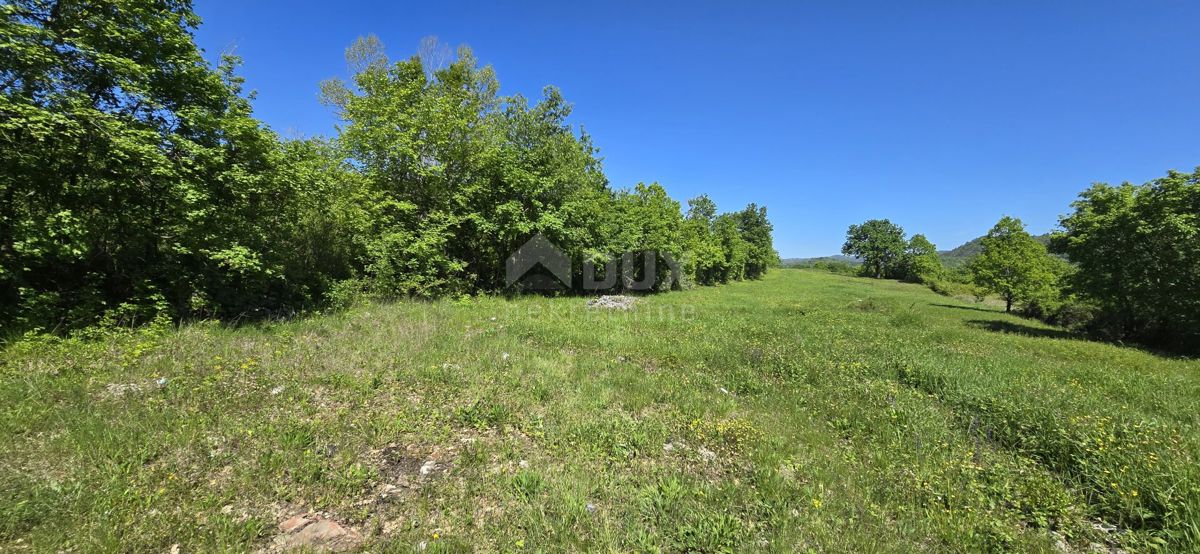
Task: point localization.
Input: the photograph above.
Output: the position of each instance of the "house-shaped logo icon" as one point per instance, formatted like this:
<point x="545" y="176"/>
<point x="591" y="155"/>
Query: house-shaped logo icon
<point x="538" y="251"/>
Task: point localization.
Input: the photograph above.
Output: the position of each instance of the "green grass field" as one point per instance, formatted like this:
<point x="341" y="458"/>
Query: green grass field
<point x="804" y="412"/>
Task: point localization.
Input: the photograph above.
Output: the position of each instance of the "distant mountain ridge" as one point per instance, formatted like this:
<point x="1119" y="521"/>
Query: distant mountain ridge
<point x="792" y="262"/>
<point x="960" y="255"/>
<point x="955" y="257"/>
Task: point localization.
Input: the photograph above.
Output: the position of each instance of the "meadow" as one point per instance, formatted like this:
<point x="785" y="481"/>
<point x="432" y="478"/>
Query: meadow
<point x="805" y="411"/>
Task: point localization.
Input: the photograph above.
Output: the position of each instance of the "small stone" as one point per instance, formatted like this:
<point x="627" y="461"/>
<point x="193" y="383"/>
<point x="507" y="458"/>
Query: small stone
<point x="294" y="524"/>
<point x="323" y="535"/>
<point x="523" y="464"/>
<point x="227" y="509"/>
<point x="504" y="356"/>
<point x="668" y="447"/>
<point x="428" y="467"/>
<point x="1103" y="527"/>
<point x="725" y="390"/>
<point x="591" y="508"/>
<point x="706" y="454"/>
<point x="275" y="391"/>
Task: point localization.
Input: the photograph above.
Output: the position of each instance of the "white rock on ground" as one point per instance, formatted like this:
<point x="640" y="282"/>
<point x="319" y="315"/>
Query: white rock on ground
<point x="117" y="390"/>
<point x="612" y="302"/>
<point x="428" y="467"/>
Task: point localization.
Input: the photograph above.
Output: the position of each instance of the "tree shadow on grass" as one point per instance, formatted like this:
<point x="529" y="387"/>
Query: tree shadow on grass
<point x="972" y="308"/>
<point x="1012" y="328"/>
<point x="1019" y="329"/>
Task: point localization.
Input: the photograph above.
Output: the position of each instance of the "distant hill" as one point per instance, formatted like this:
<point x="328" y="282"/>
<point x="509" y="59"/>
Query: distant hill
<point x="953" y="258"/>
<point x="960" y="255"/>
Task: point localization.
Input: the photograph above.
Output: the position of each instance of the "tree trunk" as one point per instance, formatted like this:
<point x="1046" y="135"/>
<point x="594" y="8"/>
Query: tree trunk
<point x="1008" y="304"/>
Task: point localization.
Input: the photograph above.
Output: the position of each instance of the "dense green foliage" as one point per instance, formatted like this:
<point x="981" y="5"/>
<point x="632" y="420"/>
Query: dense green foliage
<point x="134" y="181"/>
<point x="921" y="263"/>
<point x="132" y="176"/>
<point x="1015" y="266"/>
<point x="879" y="243"/>
<point x="1137" y="249"/>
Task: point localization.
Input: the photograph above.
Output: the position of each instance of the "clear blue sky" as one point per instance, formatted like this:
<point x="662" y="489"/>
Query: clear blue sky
<point x="941" y="116"/>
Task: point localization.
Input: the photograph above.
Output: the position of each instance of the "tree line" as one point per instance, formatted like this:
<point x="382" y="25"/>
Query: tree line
<point x="135" y="180"/>
<point x="1124" y="265"/>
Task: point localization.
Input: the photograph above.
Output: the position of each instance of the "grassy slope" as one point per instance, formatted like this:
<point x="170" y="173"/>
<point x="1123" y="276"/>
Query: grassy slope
<point x="805" y="411"/>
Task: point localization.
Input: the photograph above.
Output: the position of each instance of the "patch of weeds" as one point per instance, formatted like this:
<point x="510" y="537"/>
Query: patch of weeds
<point x="684" y="518"/>
<point x="617" y="436"/>
<point x="295" y="436"/>
<point x="483" y="414"/>
<point x="748" y="382"/>
<point x="472" y="455"/>
<point x="731" y="435"/>
<point x="527" y="484"/>
<point x="906" y="318"/>
<point x="708" y="533"/>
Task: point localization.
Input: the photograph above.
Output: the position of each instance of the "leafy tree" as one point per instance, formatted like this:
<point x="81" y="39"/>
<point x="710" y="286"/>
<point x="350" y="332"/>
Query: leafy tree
<point x="702" y="209"/>
<point x="1137" y="252"/>
<point x="879" y="243"/>
<point x="1014" y="265"/>
<point x="134" y="179"/>
<point x="132" y="176"/>
<point x="735" y="248"/>
<point x="652" y="225"/>
<point x="921" y="262"/>
<point x="705" y="256"/>
<point x="469" y="176"/>
<point x="756" y="230"/>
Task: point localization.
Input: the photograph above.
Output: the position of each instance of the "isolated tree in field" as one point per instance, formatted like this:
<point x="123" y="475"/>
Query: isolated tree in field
<point x="1013" y="264"/>
<point x="879" y="243"/>
<point x="921" y="261"/>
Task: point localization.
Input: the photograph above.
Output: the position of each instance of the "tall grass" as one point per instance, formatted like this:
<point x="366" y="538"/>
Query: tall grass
<point x="806" y="411"/>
